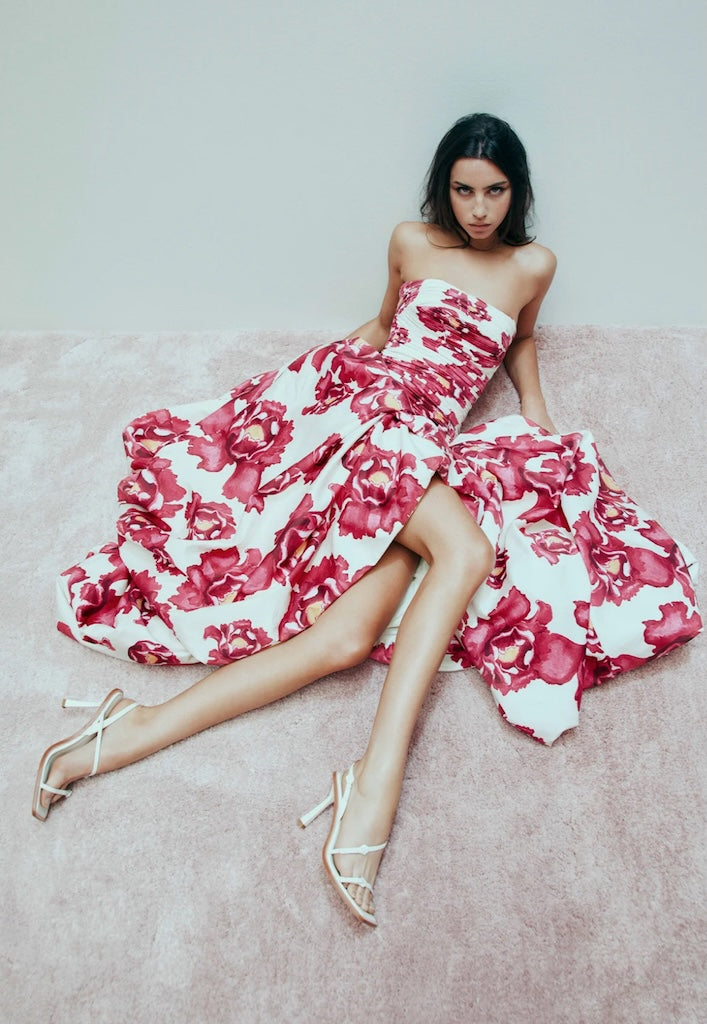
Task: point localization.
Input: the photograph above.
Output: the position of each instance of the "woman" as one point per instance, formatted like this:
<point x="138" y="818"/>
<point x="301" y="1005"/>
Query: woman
<point x="286" y="520"/>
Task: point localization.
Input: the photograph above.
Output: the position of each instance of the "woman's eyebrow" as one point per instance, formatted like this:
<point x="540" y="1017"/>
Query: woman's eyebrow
<point x="492" y="185"/>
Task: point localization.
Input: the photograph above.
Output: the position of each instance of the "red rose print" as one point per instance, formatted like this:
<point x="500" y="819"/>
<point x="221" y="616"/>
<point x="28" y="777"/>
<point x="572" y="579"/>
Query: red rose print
<point x="66" y="630"/>
<point x="581" y="613"/>
<point x="655" y="533"/>
<point x="550" y="544"/>
<point x="399" y="335"/>
<point x="103" y="642"/>
<point x="163" y="563"/>
<point x="467" y="305"/>
<point x="235" y="640"/>
<point x="142" y="594"/>
<point x="357" y="365"/>
<point x="298" y="541"/>
<point x="409" y="291"/>
<point x="252" y="389"/>
<point x="148" y="652"/>
<point x="450" y="383"/>
<point x="154" y="488"/>
<point x="329" y="391"/>
<point x="147" y="435"/>
<point x="387" y="399"/>
<point x="674" y="627"/>
<point x="594" y="647"/>
<point x="348" y="374"/>
<point x="608" y="668"/>
<point x="497" y="577"/>
<point x="618" y="571"/>
<point x="143" y="528"/>
<point x="220" y="578"/>
<point x="517" y="465"/>
<point x="613" y="509"/>
<point x="208" y="520"/>
<point x="459" y="336"/>
<point x="315" y="357"/>
<point x="382" y="653"/>
<point x="250" y="440"/>
<point x="586" y="677"/>
<point x="100" y="601"/>
<point x="381" y="492"/>
<point x="512" y="647"/>
<point x="75" y="574"/>
<point x="477" y="491"/>
<point x="306" y="470"/>
<point x="319" y="588"/>
<point x="580" y="477"/>
<point x="113" y="554"/>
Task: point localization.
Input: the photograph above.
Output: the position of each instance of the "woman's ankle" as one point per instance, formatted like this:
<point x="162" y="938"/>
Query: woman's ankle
<point x="377" y="777"/>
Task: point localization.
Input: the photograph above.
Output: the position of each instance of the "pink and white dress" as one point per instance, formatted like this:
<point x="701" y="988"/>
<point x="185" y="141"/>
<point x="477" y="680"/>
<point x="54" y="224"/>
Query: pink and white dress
<point x="244" y="517"/>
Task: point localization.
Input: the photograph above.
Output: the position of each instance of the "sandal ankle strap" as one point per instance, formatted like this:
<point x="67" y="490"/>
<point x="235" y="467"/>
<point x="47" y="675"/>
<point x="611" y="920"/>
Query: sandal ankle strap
<point x="101" y="725"/>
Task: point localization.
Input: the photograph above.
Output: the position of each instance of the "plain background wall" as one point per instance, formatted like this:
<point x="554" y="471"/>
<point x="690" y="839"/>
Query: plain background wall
<point x="168" y="164"/>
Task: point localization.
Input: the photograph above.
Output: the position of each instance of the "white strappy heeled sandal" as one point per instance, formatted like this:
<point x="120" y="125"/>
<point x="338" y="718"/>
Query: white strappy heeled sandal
<point x="339" y="796"/>
<point x="95" y="728"/>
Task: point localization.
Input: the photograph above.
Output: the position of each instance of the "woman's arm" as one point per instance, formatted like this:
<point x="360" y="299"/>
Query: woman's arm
<point x="521" y="360"/>
<point x="522" y="365"/>
<point x="376" y="331"/>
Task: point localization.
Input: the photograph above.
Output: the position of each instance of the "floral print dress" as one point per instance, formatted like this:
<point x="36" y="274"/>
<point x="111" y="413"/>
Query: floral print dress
<point x="243" y="518"/>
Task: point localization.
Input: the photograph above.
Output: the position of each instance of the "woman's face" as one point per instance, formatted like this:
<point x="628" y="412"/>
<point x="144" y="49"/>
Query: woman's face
<point x="480" y="195"/>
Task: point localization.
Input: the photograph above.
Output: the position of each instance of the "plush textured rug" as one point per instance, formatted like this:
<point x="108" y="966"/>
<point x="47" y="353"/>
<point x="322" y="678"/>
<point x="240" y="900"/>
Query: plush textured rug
<point x="521" y="884"/>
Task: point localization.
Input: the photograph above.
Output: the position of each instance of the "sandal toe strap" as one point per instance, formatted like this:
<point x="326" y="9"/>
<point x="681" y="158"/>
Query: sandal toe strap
<point x="356" y="881"/>
<point x="58" y="792"/>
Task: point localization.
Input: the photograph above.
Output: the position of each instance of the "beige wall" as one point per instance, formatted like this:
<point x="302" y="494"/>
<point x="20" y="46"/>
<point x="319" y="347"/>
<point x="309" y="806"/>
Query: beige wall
<point x="210" y="164"/>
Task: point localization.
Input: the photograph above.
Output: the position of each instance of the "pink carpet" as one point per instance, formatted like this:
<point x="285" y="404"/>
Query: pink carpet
<point x="522" y="883"/>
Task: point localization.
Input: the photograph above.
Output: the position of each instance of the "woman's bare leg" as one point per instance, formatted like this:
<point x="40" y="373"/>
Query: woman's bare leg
<point x="342" y="636"/>
<point x="460" y="557"/>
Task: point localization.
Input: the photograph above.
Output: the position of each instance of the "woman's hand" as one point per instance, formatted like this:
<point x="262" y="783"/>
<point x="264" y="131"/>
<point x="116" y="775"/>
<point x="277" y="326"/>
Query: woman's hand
<point x="374" y="332"/>
<point x="533" y="408"/>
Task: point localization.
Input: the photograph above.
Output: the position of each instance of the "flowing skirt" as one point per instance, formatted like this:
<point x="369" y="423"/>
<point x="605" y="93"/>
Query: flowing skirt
<point x="243" y="519"/>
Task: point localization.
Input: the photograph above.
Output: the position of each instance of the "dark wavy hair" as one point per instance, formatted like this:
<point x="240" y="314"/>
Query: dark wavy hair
<point x="484" y="137"/>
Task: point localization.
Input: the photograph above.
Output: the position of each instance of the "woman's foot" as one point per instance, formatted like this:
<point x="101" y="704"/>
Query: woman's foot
<point x="85" y="753"/>
<point x="363" y="817"/>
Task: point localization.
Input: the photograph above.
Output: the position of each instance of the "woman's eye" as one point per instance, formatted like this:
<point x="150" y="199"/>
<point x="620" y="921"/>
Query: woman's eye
<point x="497" y="190"/>
<point x="462" y="190"/>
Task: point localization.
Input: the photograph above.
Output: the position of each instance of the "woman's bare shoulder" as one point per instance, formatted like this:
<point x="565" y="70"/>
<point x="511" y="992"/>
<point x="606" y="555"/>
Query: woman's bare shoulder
<point x="536" y="264"/>
<point x="409" y="234"/>
<point x="413" y="238"/>
<point x="410" y="229"/>
<point x="536" y="259"/>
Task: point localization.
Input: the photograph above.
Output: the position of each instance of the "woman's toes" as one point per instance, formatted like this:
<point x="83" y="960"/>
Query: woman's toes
<point x="365" y="902"/>
<point x="362" y="897"/>
<point x="353" y="891"/>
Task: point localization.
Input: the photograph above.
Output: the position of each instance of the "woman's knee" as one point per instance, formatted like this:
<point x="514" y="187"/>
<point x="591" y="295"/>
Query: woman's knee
<point x="469" y="558"/>
<point x="455" y="538"/>
<point x="482" y="552"/>
<point x="348" y="644"/>
<point x="353" y="648"/>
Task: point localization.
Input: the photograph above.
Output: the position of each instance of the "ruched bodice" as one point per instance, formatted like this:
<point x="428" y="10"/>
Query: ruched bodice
<point x="446" y="345"/>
